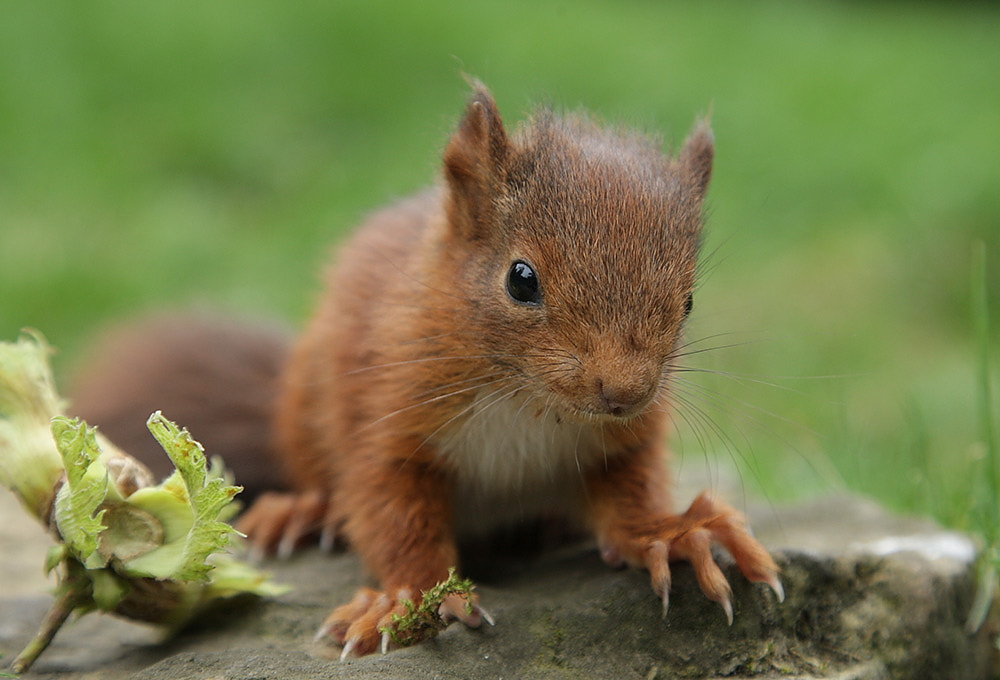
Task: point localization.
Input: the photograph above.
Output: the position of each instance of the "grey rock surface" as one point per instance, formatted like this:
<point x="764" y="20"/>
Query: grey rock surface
<point x="869" y="595"/>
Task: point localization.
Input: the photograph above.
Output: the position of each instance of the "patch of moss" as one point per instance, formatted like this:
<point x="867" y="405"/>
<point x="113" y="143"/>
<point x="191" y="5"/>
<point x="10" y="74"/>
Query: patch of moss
<point x="422" y="622"/>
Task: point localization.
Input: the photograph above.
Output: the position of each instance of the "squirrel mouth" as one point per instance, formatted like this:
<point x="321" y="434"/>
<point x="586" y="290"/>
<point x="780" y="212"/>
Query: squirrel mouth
<point x="611" y="411"/>
<point x="604" y="403"/>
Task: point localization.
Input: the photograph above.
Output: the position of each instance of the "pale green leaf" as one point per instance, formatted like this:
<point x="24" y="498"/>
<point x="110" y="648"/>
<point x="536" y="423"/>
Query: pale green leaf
<point x="27" y="389"/>
<point x="232" y="576"/>
<point x="29" y="463"/>
<point x="208" y="497"/>
<point x="78" y="504"/>
<point x="54" y="557"/>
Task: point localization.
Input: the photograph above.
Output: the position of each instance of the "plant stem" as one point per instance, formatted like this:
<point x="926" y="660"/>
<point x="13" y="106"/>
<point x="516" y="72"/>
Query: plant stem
<point x="73" y="592"/>
<point x="982" y="321"/>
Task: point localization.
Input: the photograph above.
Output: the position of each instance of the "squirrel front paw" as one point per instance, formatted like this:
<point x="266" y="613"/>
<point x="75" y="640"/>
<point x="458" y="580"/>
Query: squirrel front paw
<point x="378" y="620"/>
<point x="277" y="522"/>
<point x="689" y="537"/>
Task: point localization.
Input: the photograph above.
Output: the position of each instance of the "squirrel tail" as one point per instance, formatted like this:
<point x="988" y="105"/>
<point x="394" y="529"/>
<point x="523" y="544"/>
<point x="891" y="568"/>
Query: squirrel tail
<point x="216" y="377"/>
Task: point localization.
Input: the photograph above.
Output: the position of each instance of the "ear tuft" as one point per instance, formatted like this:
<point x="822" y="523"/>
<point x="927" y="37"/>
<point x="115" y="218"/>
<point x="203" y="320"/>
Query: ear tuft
<point x="475" y="159"/>
<point x="697" y="156"/>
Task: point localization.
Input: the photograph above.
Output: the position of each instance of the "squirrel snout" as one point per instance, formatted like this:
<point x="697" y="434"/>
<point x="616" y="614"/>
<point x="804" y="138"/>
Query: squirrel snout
<point x="622" y="399"/>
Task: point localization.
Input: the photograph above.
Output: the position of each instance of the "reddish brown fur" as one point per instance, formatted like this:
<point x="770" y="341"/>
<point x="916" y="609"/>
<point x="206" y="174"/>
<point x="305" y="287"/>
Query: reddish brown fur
<point x="423" y="400"/>
<point x="416" y="318"/>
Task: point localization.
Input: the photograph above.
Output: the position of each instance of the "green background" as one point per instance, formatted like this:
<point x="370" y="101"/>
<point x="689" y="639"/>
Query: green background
<point x="187" y="153"/>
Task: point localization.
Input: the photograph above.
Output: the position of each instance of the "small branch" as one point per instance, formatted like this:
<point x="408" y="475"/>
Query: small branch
<point x="73" y="592"/>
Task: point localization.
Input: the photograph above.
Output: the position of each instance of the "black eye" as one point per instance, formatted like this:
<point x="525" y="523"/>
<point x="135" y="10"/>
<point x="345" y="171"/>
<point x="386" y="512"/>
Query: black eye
<point x="689" y="304"/>
<point x="522" y="284"/>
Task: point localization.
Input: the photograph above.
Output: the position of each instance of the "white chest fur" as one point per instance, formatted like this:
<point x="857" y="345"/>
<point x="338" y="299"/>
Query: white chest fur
<point x="516" y="459"/>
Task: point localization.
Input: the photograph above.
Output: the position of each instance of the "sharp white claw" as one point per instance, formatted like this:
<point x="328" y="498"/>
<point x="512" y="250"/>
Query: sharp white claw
<point x="323" y="631"/>
<point x="727" y="606"/>
<point x="666" y="603"/>
<point x="487" y="617"/>
<point x="779" y="590"/>
<point x="385" y="642"/>
<point x="348" y="648"/>
<point x="256" y="554"/>
<point x="286" y="547"/>
<point x="327" y="539"/>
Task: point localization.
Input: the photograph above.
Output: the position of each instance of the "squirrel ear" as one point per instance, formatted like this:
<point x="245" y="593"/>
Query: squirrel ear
<point x="696" y="157"/>
<point x="475" y="160"/>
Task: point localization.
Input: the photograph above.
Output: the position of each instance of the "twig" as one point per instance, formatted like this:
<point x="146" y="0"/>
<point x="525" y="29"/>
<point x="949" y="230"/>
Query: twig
<point x="73" y="592"/>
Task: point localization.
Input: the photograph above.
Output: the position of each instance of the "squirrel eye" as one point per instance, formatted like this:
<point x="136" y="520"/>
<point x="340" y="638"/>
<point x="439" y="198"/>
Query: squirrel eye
<point x="523" y="285"/>
<point x="689" y="304"/>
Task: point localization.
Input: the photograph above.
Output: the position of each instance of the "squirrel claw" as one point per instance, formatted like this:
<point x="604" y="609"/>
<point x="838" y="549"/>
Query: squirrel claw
<point x="287" y="546"/>
<point x="456" y="608"/>
<point x="659" y="572"/>
<point x="348" y="648"/>
<point x="322" y="632"/>
<point x="690" y="537"/>
<point x="487" y="617"/>
<point x="775" y="584"/>
<point x="277" y="522"/>
<point x="727" y="607"/>
<point x="327" y="539"/>
<point x="366" y="623"/>
<point x="256" y="555"/>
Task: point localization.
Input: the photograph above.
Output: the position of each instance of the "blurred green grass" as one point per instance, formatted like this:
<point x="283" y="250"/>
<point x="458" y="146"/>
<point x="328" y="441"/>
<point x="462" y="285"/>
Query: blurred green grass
<point x="163" y="155"/>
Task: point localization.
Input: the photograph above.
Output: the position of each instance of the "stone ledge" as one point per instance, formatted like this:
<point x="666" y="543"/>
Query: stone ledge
<point x="869" y="595"/>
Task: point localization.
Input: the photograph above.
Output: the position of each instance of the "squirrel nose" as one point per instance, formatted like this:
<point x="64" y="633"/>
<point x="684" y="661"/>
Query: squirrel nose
<point x="619" y="400"/>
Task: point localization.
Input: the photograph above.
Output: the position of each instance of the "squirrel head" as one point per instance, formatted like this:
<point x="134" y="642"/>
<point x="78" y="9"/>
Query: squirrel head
<point x="577" y="246"/>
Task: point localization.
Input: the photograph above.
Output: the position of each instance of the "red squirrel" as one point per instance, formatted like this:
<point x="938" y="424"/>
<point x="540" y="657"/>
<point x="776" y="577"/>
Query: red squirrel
<point x="497" y="347"/>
